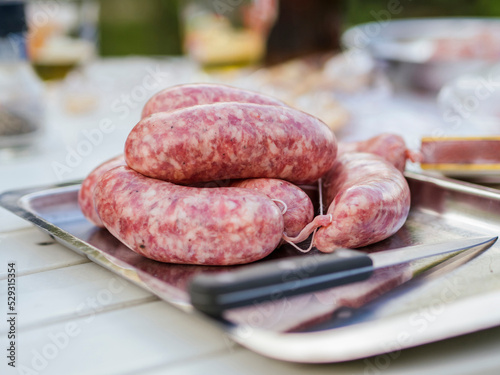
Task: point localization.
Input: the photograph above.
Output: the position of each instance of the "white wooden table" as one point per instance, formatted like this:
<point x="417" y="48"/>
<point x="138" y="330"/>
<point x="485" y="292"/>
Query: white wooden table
<point x="75" y="317"/>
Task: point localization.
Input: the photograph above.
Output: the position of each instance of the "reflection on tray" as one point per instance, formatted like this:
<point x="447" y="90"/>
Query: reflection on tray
<point x="298" y="313"/>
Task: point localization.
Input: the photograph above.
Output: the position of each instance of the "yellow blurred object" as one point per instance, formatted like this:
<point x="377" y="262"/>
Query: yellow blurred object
<point x="54" y="44"/>
<point x="58" y="55"/>
<point x="218" y="44"/>
<point x="77" y="104"/>
<point x="230" y="36"/>
<point x="37" y="37"/>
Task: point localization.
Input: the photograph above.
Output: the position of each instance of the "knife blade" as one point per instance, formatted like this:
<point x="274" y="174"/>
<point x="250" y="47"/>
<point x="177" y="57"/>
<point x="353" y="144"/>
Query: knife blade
<point x="272" y="280"/>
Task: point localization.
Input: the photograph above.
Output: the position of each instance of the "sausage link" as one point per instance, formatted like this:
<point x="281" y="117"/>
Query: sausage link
<point x="180" y="224"/>
<point x="299" y="208"/>
<point x="389" y="146"/>
<point x="183" y="96"/>
<point x="368" y="198"/>
<point x="86" y="192"/>
<point x="231" y="141"/>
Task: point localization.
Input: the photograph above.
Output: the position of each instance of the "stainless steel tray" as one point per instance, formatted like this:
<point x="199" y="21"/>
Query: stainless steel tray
<point x="397" y="308"/>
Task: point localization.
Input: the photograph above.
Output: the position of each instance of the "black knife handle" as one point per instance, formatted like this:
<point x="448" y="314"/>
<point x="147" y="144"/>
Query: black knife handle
<point x="276" y="279"/>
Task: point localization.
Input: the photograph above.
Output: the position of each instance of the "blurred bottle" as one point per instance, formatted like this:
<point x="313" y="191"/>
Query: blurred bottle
<point x="62" y="35"/>
<point x="21" y="92"/>
<point x="227" y="33"/>
<point x="304" y="28"/>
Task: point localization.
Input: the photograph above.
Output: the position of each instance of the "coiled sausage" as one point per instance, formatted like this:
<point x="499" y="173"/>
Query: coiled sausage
<point x="180" y="224"/>
<point x="368" y="198"/>
<point x="183" y="96"/>
<point x="231" y="141"/>
<point x="299" y="210"/>
<point x="86" y="192"/>
<point x="391" y="147"/>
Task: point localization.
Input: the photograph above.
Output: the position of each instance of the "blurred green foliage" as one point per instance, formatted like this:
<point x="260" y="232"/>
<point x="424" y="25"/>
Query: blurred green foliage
<point x="139" y="27"/>
<point x="360" y="11"/>
<point x="151" y="27"/>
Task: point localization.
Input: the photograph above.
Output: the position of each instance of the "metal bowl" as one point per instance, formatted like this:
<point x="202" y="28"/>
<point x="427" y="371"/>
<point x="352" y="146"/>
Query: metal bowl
<point x="428" y="53"/>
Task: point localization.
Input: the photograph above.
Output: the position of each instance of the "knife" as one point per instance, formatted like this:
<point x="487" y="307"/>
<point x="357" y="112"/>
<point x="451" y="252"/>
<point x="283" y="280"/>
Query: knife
<point x="276" y="279"/>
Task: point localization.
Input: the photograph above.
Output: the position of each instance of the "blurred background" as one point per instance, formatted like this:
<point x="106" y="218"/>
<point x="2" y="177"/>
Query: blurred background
<point x="153" y="27"/>
<point x="362" y="66"/>
<point x="295" y="27"/>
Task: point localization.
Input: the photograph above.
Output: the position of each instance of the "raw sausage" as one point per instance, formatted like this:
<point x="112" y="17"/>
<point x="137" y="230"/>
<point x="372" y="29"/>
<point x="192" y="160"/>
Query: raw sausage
<point x="391" y="147"/>
<point x="368" y="198"/>
<point x="86" y="192"/>
<point x="299" y="210"/>
<point x="231" y="141"/>
<point x="183" y="96"/>
<point x="180" y="224"/>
